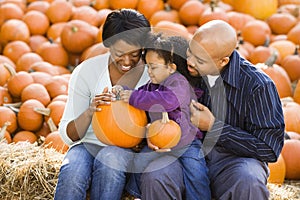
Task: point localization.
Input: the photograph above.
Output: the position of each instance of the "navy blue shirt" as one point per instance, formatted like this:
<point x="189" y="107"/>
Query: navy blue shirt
<point x="249" y="119"/>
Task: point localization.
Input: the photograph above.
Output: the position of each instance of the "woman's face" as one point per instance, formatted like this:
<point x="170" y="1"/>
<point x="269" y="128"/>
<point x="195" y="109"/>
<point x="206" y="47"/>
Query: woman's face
<point x="125" y="56"/>
<point x="158" y="70"/>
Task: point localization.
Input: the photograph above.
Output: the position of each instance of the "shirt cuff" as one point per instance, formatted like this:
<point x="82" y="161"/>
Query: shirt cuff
<point x="216" y="131"/>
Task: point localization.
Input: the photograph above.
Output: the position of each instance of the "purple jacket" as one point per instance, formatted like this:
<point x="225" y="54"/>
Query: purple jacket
<point x="174" y="96"/>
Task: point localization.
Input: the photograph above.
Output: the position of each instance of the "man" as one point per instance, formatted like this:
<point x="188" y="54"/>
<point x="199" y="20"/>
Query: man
<point x="241" y="113"/>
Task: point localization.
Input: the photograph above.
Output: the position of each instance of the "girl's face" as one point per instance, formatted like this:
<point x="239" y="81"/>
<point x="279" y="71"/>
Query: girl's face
<point x="158" y="70"/>
<point x="125" y="56"/>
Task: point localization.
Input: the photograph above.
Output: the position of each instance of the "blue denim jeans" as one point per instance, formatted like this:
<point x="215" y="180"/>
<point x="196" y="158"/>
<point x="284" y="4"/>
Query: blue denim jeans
<point x="195" y="171"/>
<point x="101" y="170"/>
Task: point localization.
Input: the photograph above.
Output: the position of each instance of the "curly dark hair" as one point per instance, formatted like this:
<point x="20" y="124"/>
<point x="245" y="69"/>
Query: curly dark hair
<point x="125" y="24"/>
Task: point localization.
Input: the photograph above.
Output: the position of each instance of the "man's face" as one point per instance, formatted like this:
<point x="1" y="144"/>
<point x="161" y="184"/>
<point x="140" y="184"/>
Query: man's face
<point x="199" y="61"/>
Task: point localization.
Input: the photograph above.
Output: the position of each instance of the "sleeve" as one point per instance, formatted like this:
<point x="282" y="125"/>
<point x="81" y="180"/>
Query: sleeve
<point x="265" y="124"/>
<point x="166" y="99"/>
<point x="78" y="101"/>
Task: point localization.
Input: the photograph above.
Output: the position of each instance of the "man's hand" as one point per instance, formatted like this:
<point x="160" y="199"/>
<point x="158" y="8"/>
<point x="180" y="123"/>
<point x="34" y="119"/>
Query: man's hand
<point x="201" y="116"/>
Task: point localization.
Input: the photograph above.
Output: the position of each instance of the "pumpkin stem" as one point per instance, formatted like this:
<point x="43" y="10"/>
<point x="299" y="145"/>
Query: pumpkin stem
<point x="51" y="125"/>
<point x="74" y="29"/>
<point x="16" y="105"/>
<point x="3" y="129"/>
<point x="13" y="106"/>
<point x="272" y="59"/>
<point x="286" y="100"/>
<point x="43" y="111"/>
<point x="167" y="7"/>
<point x="213" y="4"/>
<point x="165" y="118"/>
<point x="296" y="50"/>
<point x="10" y="68"/>
<point x="267" y="42"/>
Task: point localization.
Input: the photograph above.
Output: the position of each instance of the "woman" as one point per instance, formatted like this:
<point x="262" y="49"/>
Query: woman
<point x="89" y="165"/>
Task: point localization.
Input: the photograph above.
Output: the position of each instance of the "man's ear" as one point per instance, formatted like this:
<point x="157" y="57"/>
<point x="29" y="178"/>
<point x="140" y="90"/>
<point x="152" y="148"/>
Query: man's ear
<point x="224" y="61"/>
<point x="173" y="67"/>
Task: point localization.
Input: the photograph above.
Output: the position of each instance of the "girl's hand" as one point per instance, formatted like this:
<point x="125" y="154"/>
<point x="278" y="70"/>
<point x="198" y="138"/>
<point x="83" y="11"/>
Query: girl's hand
<point x="125" y="95"/>
<point x="116" y="90"/>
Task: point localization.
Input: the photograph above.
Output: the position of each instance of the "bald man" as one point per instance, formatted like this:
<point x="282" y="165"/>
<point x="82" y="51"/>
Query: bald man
<point x="241" y="114"/>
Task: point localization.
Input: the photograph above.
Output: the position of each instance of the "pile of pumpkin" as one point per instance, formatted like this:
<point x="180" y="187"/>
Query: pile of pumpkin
<point x="41" y="42"/>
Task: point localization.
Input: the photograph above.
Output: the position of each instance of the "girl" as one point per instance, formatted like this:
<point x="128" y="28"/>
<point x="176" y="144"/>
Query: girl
<point x="169" y="91"/>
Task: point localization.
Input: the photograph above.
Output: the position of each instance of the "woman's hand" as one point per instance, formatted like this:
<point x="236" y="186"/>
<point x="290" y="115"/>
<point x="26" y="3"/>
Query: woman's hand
<point x="101" y="99"/>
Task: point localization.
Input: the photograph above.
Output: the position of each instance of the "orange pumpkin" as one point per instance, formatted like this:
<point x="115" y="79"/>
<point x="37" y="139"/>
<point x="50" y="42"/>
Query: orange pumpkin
<point x="296" y="95"/>
<point x="167" y="14"/>
<point x="119" y="124"/>
<point x="277" y="171"/>
<point x="28" y="118"/>
<point x="190" y="12"/>
<point x="59" y="11"/>
<point x="164" y="133"/>
<point x="18" y="82"/>
<point x="15" y="49"/>
<point x="36" y="91"/>
<point x="291" y="112"/>
<point x="53" y="140"/>
<point x="260" y="9"/>
<point x="293" y="34"/>
<point x="37" y="22"/>
<point x="87" y="14"/>
<point x="14" y="29"/>
<point x="41" y="6"/>
<point x="78" y="35"/>
<point x="7" y="115"/>
<point x="5" y="97"/>
<point x="291" y="156"/>
<point x="10" y="11"/>
<point x="27" y="59"/>
<point x="256" y="32"/>
<point x="176" y="4"/>
<point x="149" y="7"/>
<point x="291" y="64"/>
<point x="23" y="136"/>
<point x="260" y="54"/>
<point x="57" y="85"/>
<point x="117" y="4"/>
<point x="278" y="75"/>
<point x="53" y="53"/>
<point x="281" y="23"/>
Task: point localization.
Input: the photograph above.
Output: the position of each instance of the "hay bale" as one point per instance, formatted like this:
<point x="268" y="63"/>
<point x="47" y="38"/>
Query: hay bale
<point x="28" y="171"/>
<point x="287" y="191"/>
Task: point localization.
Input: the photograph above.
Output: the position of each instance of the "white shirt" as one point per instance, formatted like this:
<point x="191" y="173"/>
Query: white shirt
<point x="88" y="79"/>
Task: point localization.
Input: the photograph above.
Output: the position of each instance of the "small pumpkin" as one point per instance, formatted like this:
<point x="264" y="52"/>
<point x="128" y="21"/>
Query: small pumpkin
<point x="25" y="136"/>
<point x="7" y="115"/>
<point x="291" y="156"/>
<point x="277" y="171"/>
<point x="119" y="124"/>
<point x="164" y="133"/>
<point x="260" y="9"/>
<point x="53" y="140"/>
<point x="278" y="75"/>
<point x="28" y="118"/>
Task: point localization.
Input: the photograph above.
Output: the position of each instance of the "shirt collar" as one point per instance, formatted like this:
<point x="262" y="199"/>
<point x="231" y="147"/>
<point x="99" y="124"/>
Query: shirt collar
<point x="231" y="73"/>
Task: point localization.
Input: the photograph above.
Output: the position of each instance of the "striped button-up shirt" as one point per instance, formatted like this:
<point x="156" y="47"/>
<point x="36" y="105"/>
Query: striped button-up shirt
<point x="249" y="119"/>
